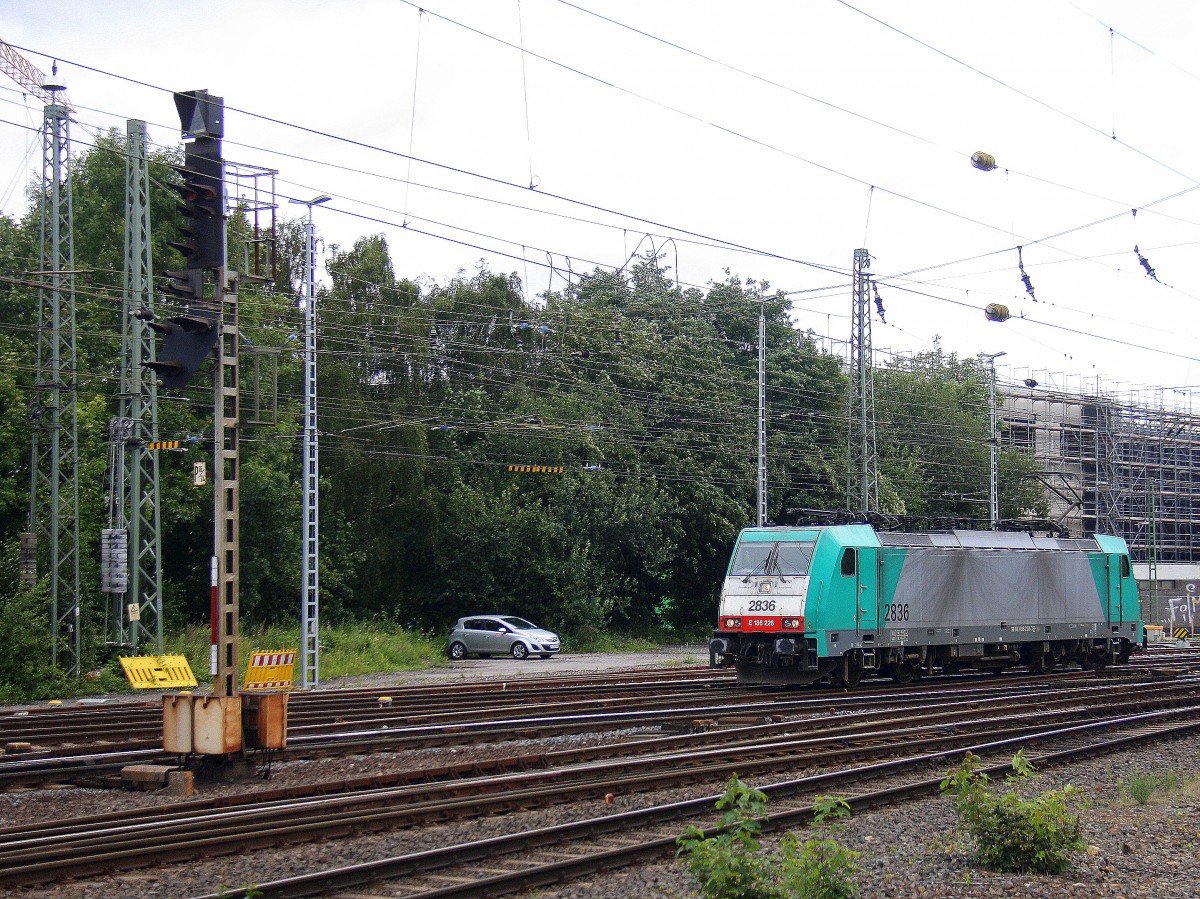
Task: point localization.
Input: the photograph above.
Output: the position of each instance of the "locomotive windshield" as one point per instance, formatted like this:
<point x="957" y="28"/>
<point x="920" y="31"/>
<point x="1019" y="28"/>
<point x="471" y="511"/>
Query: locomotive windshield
<point x="789" y="558"/>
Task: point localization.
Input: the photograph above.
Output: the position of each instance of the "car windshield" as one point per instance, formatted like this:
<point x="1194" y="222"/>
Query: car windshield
<point x="785" y="557"/>
<point x="519" y="623"/>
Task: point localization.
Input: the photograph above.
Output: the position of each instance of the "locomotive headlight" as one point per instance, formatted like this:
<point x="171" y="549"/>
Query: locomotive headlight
<point x="792" y="623"/>
<point x="732" y="623"/>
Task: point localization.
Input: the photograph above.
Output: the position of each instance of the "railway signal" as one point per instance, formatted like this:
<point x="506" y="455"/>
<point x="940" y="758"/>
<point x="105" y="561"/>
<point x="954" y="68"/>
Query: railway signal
<point x="202" y="203"/>
<point x="189" y="338"/>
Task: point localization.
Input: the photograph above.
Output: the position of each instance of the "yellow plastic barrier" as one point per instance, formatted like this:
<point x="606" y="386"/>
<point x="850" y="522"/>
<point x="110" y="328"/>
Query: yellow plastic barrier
<point x="270" y="670"/>
<point x="157" y="672"/>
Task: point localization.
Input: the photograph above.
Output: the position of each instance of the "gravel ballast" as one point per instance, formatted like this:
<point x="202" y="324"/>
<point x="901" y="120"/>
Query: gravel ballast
<point x="910" y="850"/>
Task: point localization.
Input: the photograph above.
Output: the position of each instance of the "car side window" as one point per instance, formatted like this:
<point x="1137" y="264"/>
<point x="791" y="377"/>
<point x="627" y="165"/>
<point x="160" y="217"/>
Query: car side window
<point x="473" y="624"/>
<point x="491" y="624"/>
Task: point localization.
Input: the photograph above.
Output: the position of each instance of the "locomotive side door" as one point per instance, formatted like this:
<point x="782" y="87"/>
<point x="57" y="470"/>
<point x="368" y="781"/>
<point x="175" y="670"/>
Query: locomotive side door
<point x="1116" y="567"/>
<point x="867" y="612"/>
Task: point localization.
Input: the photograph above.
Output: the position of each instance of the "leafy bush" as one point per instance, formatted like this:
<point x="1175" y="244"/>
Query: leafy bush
<point x="818" y="869"/>
<point x="25" y="670"/>
<point x="1034" y="836"/>
<point x="732" y="865"/>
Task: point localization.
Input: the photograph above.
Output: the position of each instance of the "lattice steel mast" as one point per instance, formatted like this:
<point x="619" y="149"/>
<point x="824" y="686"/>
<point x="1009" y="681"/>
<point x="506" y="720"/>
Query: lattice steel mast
<point x="54" y="464"/>
<point x="139" y="405"/>
<point x="310" y="593"/>
<point x="762" y="414"/>
<point x="862" y="460"/>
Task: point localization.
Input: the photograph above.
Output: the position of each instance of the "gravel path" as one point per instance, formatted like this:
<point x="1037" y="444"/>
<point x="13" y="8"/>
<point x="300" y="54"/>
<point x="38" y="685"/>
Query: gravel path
<point x="1134" y="850"/>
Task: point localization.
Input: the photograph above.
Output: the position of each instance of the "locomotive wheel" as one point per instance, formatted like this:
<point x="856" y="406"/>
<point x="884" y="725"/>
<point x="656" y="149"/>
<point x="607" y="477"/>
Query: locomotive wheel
<point x="852" y="668"/>
<point x="849" y="670"/>
<point x="905" y="673"/>
<point x="1037" y="664"/>
<point x="1096" y="660"/>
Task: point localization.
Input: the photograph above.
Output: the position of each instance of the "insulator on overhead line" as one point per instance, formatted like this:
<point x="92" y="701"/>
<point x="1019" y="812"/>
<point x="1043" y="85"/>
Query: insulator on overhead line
<point x="996" y="312"/>
<point x="985" y="162"/>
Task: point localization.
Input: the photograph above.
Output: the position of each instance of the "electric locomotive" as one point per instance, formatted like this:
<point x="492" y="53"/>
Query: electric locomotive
<point x="835" y="604"/>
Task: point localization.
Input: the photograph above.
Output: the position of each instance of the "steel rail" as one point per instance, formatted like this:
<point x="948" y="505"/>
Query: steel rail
<point x="51" y="856"/>
<point x="36" y="768"/>
<point x="460" y="857"/>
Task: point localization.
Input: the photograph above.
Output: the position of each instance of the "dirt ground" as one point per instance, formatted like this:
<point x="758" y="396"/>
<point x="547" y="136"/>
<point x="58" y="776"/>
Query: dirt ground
<point x="502" y="667"/>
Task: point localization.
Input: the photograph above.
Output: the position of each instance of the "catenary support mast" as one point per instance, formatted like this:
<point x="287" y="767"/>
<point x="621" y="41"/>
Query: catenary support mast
<point x="54" y="489"/>
<point x="139" y="405"/>
<point x="310" y="524"/>
<point x="862" y="468"/>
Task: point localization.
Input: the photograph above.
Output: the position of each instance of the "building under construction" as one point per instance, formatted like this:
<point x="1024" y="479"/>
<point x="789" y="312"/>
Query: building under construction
<point x="1125" y="465"/>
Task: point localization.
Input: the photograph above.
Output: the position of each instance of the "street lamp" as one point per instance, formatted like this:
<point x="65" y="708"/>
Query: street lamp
<point x="310" y="523"/>
<point x="993" y="441"/>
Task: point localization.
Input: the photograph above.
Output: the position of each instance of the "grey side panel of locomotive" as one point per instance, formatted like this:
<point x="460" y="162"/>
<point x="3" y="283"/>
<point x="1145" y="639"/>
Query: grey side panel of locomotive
<point x="961" y="587"/>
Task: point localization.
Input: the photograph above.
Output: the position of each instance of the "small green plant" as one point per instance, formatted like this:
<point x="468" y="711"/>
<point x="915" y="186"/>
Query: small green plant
<point x="1139" y="787"/>
<point x="1034" y="836"/>
<point x="818" y="869"/>
<point x="729" y="865"/>
<point x="1142" y="785"/>
<point x="250" y="891"/>
<point x="827" y="807"/>
<point x="732" y="864"/>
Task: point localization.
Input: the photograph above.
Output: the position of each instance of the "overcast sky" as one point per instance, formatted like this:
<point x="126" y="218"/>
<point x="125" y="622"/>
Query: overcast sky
<point x="768" y="138"/>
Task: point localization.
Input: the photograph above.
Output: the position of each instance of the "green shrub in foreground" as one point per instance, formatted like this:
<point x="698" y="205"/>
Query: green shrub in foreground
<point x="1031" y="836"/>
<point x="732" y="865"/>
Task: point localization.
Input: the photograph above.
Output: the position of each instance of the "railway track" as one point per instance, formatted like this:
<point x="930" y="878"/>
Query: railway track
<point x="362" y="725"/>
<point x="551" y="856"/>
<point x="930" y="725"/>
<point x="134" y="725"/>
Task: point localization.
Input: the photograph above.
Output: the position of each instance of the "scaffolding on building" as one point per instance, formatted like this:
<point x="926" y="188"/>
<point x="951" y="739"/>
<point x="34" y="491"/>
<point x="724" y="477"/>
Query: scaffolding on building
<point x="1122" y="463"/>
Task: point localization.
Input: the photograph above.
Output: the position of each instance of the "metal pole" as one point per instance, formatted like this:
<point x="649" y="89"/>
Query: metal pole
<point x="226" y="487"/>
<point x="762" y="414"/>
<point x="310" y="524"/>
<point x="54" y="464"/>
<point x="862" y="462"/>
<point x="993" y="444"/>
<point x="143" y="605"/>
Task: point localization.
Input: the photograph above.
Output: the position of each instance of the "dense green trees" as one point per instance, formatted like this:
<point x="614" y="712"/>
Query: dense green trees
<point x="640" y="396"/>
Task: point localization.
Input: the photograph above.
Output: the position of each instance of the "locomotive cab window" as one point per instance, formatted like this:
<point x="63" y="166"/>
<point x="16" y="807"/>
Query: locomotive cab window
<point x="789" y="558"/>
<point x="1124" y="566"/>
<point x="849" y="562"/>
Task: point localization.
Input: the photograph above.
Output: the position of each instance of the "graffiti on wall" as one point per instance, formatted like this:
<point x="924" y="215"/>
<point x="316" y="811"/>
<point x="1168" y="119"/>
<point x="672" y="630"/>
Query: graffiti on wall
<point x="1183" y="610"/>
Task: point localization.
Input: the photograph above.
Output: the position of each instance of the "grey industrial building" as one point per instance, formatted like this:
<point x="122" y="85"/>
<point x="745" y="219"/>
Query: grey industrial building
<point x="1127" y="465"/>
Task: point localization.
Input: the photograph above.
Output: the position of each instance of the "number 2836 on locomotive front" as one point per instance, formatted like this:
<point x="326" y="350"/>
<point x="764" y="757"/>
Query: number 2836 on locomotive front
<point x="839" y="603"/>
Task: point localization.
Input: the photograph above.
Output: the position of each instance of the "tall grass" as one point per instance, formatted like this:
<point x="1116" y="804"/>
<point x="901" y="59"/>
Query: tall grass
<point x="353" y="648"/>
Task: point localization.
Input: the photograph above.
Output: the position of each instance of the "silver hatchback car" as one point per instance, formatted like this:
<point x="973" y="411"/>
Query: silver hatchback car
<point x="488" y="635"/>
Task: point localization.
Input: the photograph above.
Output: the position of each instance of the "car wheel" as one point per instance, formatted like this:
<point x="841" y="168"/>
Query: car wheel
<point x="520" y="651"/>
<point x="457" y="651"/>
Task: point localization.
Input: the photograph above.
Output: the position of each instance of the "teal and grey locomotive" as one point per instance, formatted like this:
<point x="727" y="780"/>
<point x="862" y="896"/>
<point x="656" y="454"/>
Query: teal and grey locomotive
<point x="804" y="604"/>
